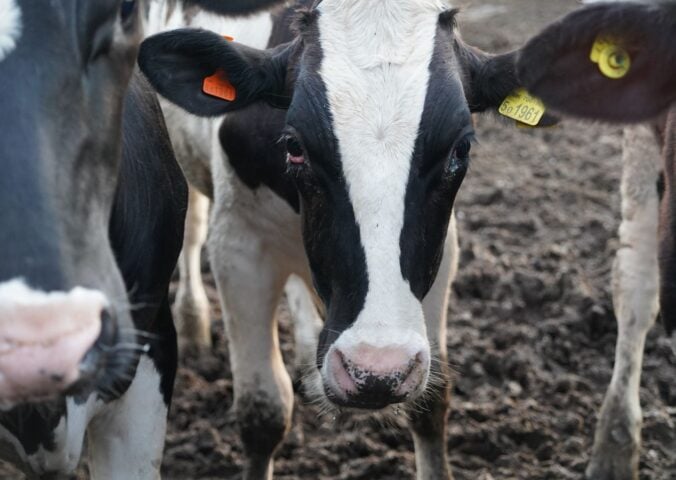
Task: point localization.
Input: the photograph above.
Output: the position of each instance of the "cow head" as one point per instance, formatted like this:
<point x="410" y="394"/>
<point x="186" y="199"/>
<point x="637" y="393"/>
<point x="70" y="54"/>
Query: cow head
<point x="379" y="96"/>
<point x="64" y="314"/>
<point x="64" y="67"/>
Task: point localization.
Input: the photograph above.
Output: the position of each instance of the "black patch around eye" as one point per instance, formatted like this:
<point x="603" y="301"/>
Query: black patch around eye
<point x="127" y="9"/>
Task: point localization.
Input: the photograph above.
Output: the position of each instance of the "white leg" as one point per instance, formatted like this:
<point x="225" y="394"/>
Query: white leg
<point x="127" y="438"/>
<point x="429" y="423"/>
<point x="306" y="322"/>
<point x="250" y="284"/>
<point x="191" y="308"/>
<point x="635" y="288"/>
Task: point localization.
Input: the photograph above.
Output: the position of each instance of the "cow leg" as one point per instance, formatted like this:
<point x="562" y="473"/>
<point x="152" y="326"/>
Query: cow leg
<point x="428" y="421"/>
<point x="667" y="233"/>
<point x="191" y="308"/>
<point x="306" y="322"/>
<point x="126" y="438"/>
<point x="251" y="283"/>
<point x="617" y="439"/>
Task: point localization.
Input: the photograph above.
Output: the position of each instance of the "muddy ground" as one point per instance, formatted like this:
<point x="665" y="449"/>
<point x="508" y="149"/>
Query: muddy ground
<point x="531" y="331"/>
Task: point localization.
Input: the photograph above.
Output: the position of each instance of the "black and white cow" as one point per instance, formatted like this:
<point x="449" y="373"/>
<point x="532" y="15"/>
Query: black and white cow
<point x="340" y="166"/>
<point x="556" y="66"/>
<point x="92" y="206"/>
<point x="192" y="139"/>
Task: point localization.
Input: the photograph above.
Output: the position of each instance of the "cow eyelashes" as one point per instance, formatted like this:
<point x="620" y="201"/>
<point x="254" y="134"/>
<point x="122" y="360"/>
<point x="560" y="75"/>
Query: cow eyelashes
<point x="459" y="159"/>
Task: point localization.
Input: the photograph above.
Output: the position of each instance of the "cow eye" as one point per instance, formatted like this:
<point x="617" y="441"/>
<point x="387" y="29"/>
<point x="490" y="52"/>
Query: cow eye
<point x="295" y="153"/>
<point x="462" y="149"/>
<point x="127" y="9"/>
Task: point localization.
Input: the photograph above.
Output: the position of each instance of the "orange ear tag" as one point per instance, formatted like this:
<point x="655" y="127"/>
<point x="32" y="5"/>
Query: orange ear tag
<point x="218" y="85"/>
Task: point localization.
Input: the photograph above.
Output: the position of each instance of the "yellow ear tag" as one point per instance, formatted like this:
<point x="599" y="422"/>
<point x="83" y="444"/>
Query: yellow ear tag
<point x="523" y="107"/>
<point x="600" y="44"/>
<point x="613" y="60"/>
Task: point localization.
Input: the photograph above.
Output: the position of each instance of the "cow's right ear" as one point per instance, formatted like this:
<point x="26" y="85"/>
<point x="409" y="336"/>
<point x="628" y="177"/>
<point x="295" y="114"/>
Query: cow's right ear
<point x="177" y="63"/>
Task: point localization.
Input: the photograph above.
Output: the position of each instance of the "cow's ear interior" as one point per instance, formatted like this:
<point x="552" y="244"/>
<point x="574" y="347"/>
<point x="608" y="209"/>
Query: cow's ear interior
<point x="177" y="63"/>
<point x="557" y="64"/>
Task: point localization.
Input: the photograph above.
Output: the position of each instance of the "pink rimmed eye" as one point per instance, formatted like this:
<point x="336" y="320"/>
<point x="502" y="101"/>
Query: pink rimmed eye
<point x="294" y="151"/>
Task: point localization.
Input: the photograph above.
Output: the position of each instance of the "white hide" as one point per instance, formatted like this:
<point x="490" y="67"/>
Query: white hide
<point x="10" y="27"/>
<point x="126" y="440"/>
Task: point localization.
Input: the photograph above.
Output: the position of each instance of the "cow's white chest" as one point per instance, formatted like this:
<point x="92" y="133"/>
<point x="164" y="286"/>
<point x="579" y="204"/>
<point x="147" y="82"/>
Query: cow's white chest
<point x="10" y="27"/>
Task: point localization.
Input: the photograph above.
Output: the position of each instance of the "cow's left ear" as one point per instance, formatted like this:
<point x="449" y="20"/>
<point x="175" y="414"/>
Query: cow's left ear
<point x="614" y="62"/>
<point x="178" y="62"/>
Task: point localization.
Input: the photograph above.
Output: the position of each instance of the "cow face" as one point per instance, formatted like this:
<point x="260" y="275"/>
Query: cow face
<point x="378" y="131"/>
<point x="64" y="67"/>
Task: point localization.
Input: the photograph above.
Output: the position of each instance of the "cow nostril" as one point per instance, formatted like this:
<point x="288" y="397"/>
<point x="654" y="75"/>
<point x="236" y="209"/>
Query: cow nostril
<point x="108" y="335"/>
<point x="104" y="343"/>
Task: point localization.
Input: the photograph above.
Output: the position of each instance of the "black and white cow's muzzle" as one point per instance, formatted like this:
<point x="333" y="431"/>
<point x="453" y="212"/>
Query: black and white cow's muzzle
<point x="55" y="343"/>
<point x="373" y="364"/>
<point x="376" y="377"/>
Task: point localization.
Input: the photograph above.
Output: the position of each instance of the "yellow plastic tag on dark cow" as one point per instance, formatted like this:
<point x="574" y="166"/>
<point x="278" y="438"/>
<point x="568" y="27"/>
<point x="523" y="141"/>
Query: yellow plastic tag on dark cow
<point x="614" y="61"/>
<point x="523" y="107"/>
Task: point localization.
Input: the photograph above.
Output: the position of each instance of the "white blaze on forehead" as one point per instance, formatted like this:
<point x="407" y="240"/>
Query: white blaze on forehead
<point x="10" y="27"/>
<point x="376" y="58"/>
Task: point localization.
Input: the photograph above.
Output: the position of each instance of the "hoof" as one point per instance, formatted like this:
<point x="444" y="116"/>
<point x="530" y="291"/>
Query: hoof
<point x="612" y="467"/>
<point x="615" y="455"/>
